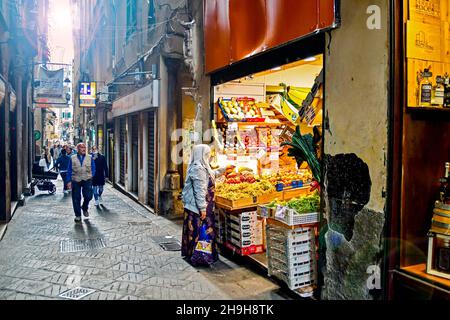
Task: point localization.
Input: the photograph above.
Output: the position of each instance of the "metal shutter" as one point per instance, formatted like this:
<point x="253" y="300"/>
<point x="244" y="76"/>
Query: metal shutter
<point x="151" y="159"/>
<point x="123" y="152"/>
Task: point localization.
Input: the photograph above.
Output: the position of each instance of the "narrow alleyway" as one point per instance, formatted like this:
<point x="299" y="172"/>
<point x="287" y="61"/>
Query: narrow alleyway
<point x="128" y="265"/>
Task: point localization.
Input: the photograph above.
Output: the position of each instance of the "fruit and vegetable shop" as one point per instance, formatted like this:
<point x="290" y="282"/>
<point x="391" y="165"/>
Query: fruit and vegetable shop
<point x="267" y="131"/>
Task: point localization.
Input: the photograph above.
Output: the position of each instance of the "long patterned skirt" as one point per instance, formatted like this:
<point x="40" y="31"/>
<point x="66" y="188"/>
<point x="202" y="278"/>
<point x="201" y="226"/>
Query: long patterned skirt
<point x="191" y="227"/>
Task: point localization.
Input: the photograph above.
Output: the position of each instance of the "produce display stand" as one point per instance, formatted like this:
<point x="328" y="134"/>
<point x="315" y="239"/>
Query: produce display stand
<point x="249" y="203"/>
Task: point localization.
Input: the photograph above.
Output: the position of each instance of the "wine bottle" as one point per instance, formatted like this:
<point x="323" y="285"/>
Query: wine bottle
<point x="426" y="88"/>
<point x="444" y="192"/>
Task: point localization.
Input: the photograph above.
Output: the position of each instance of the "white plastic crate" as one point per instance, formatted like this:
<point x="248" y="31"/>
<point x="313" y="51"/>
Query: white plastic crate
<point x="295" y="250"/>
<point x="295" y="282"/>
<point x="291" y="271"/>
<point x="292" y="218"/>
<point x="292" y="238"/>
<point x="291" y="261"/>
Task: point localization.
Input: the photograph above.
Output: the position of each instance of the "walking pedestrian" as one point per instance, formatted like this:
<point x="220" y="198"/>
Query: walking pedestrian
<point x="79" y="176"/>
<point x="52" y="151"/>
<point x="63" y="165"/>
<point x="199" y="232"/>
<point x="101" y="173"/>
<point x="46" y="160"/>
<point x="57" y="152"/>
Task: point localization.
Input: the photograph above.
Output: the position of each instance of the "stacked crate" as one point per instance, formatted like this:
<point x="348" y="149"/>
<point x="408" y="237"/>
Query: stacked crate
<point x="291" y="255"/>
<point x="220" y="226"/>
<point x="244" y="229"/>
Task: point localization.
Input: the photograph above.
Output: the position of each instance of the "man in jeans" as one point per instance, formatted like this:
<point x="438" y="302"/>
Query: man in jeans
<point x="101" y="173"/>
<point x="79" y="176"/>
<point x="63" y="164"/>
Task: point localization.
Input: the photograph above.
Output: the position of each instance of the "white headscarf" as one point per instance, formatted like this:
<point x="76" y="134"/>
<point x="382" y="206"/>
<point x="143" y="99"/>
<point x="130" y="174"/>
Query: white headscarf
<point x="200" y="156"/>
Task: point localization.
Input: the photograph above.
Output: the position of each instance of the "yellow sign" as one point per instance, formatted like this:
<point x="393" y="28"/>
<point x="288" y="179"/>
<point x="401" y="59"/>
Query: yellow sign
<point x="88" y="94"/>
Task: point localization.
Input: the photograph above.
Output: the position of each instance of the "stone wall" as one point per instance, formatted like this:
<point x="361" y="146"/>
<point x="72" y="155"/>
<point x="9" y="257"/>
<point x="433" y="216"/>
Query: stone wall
<point x="357" y="75"/>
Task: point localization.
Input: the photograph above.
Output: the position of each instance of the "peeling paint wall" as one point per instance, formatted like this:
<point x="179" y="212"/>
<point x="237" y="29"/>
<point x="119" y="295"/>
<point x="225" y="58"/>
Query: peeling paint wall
<point x="357" y="75"/>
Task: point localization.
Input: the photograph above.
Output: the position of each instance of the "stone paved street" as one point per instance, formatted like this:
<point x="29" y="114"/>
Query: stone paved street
<point x="131" y="266"/>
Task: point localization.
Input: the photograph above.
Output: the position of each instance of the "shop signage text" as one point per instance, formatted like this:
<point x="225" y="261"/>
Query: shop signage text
<point x="88" y="94"/>
<point x="142" y="99"/>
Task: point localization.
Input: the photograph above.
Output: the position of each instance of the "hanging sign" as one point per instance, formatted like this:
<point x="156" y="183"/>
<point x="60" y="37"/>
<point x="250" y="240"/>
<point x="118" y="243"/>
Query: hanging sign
<point x="49" y="87"/>
<point x="2" y="90"/>
<point x="88" y="94"/>
<point x="12" y="101"/>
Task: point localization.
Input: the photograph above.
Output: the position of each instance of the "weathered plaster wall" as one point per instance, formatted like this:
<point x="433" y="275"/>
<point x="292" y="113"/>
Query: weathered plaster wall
<point x="200" y="80"/>
<point x="357" y="75"/>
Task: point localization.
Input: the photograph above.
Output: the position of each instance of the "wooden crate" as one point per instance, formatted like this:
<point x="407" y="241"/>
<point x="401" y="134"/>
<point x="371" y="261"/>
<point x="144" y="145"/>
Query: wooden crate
<point x="423" y="41"/>
<point x="440" y="12"/>
<point x="275" y="222"/>
<point x="267" y="198"/>
<point x="295" y="193"/>
<point x="236" y="204"/>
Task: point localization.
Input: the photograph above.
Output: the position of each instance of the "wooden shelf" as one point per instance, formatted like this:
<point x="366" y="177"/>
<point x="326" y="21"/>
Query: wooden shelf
<point x="419" y="270"/>
<point x="427" y="109"/>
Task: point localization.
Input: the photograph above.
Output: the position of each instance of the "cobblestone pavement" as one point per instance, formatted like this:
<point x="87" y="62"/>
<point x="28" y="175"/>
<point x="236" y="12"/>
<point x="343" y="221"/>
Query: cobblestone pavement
<point x="131" y="266"/>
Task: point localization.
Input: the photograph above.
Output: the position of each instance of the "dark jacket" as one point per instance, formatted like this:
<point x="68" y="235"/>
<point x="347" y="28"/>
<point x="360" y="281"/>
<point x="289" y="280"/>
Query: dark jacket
<point x="63" y="163"/>
<point x="101" y="170"/>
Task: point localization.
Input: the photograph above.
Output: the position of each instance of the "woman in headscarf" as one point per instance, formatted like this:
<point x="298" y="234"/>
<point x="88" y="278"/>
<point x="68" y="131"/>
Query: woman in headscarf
<point x="199" y="234"/>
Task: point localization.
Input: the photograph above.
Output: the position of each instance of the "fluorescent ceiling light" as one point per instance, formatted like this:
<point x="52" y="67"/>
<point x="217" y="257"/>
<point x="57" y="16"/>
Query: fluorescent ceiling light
<point x="310" y="59"/>
<point x="276" y="69"/>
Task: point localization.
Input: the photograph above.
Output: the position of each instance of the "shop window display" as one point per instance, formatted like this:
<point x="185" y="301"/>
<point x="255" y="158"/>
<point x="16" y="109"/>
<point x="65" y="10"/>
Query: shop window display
<point x="268" y="133"/>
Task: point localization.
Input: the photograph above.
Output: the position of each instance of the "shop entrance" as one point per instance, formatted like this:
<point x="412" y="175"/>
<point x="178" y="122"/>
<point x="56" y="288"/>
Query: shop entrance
<point x="268" y="202"/>
<point x="110" y="153"/>
<point x="151" y="116"/>
<point x="13" y="152"/>
<point x="122" y="152"/>
<point x="134" y="154"/>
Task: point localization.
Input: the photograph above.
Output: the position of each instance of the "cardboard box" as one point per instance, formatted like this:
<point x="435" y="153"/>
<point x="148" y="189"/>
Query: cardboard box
<point x="245" y="251"/>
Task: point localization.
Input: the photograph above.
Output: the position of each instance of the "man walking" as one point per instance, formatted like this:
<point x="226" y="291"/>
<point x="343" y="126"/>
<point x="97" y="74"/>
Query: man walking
<point x="101" y="172"/>
<point x="79" y="176"/>
<point x="63" y="164"/>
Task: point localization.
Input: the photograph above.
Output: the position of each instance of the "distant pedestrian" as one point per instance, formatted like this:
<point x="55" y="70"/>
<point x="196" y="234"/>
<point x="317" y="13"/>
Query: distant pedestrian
<point x="63" y="165"/>
<point x="52" y="151"/>
<point x="79" y="176"/>
<point x="46" y="160"/>
<point x="57" y="152"/>
<point x="101" y="173"/>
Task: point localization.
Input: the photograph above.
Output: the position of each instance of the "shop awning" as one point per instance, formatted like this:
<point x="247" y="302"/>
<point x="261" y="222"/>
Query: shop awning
<point x="236" y="30"/>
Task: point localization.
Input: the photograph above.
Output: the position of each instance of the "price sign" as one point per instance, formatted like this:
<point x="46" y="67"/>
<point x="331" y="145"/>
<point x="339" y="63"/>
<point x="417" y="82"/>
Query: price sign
<point x="280" y="213"/>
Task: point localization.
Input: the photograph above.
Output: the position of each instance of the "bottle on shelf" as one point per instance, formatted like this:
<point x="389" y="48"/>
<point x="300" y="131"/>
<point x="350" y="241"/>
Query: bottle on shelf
<point x="438" y="93"/>
<point x="426" y="88"/>
<point x="446" y="90"/>
<point x="444" y="190"/>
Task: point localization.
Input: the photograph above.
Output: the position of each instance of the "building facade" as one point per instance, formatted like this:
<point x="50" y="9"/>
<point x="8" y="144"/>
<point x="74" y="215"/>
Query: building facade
<point x="134" y="52"/>
<point x="22" y="40"/>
